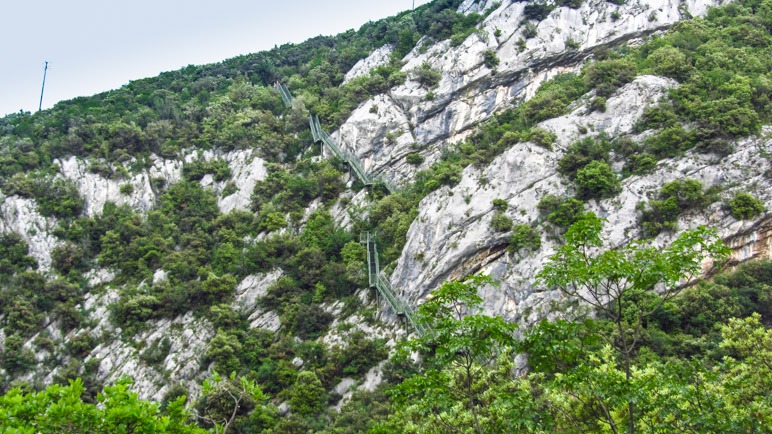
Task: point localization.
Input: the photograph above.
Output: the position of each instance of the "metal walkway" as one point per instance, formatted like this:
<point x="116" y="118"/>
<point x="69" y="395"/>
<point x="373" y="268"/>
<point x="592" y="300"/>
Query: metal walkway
<point x="320" y="135"/>
<point x="381" y="283"/>
<point x="377" y="280"/>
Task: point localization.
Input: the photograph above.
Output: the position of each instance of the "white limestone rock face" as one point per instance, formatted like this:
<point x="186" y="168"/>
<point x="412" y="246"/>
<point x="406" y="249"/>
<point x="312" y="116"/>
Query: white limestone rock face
<point x="248" y="291"/>
<point x="246" y="170"/>
<point x="469" y="92"/>
<point x="20" y="215"/>
<point x="98" y="190"/>
<point x="454" y="223"/>
<point x="379" y="57"/>
<point x="186" y="339"/>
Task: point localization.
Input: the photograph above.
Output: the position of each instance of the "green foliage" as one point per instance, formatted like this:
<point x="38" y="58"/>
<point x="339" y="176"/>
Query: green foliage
<point x="744" y="206"/>
<point x="606" y="76"/>
<point x="427" y="76"/>
<point x="560" y="211"/>
<point x="414" y="158"/>
<point x="500" y="222"/>
<point x="596" y="180"/>
<point x="14" y="255"/>
<point x="552" y="98"/>
<point x="500" y="204"/>
<point x="490" y="59"/>
<point x="674" y="198"/>
<point x="61" y="409"/>
<point x="542" y="137"/>
<point x="453" y="386"/>
<point x="524" y="237"/>
<point x="307" y="396"/>
<point x="529" y="30"/>
<point x="620" y="285"/>
<point x="196" y="170"/>
<point x="581" y="153"/>
<point x="538" y="11"/>
<point x="55" y="197"/>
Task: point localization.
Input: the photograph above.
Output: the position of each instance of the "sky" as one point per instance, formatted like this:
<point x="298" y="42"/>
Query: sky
<point x="96" y="45"/>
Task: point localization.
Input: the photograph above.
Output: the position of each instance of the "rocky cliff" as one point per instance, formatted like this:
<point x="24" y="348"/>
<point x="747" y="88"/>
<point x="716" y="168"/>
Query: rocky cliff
<point x="451" y="236"/>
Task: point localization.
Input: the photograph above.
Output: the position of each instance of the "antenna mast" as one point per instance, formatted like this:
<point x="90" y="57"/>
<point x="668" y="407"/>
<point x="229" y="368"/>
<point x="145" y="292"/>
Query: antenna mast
<point x="45" y="70"/>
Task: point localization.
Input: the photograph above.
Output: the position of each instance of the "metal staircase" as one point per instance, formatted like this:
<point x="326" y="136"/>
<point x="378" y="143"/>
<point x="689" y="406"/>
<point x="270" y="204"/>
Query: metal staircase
<point x="381" y="283"/>
<point x="367" y="179"/>
<point x="377" y="280"/>
<point x="286" y="96"/>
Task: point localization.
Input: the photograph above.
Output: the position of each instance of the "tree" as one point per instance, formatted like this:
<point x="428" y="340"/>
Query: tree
<point x="621" y="283"/>
<point x="61" y="409"/>
<point x="466" y="383"/>
<point x="226" y="399"/>
<point x="307" y="396"/>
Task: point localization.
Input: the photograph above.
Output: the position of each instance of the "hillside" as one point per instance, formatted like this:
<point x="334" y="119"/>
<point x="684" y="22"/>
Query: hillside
<point x="204" y="221"/>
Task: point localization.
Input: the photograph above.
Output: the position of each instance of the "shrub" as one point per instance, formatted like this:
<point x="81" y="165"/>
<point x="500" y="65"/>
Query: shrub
<point x="196" y="170"/>
<point x="542" y="137"/>
<point x="596" y="180"/>
<point x="490" y="59"/>
<point x="127" y="189"/>
<point x="670" y="62"/>
<point x="524" y="237"/>
<point x="14" y="255"/>
<point x="426" y="76"/>
<point x="538" y="11"/>
<point x="743" y="206"/>
<point x="606" y="76"/>
<point x="560" y="211"/>
<point x="500" y="222"/>
<point x="414" y="158"/>
<point x="529" y="31"/>
<point x="552" y="98"/>
<point x="500" y="204"/>
<point x="581" y="153"/>
<point x="674" y="198"/>
<point x="598" y="104"/>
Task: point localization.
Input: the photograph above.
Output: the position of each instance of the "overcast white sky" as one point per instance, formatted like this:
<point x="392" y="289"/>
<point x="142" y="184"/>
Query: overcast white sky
<point x="96" y="45"/>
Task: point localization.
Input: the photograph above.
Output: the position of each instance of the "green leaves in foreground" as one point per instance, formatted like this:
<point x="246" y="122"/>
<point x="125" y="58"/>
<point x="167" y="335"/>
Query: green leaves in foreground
<point x="60" y="409"/>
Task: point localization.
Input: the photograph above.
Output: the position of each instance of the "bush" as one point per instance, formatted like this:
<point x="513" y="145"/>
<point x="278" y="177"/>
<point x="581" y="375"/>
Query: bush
<point x="524" y="237"/>
<point x="500" y="204"/>
<point x="530" y="30"/>
<point x="598" y="104"/>
<point x="670" y="62"/>
<point x="596" y="181"/>
<point x="427" y="76"/>
<point x="538" y="11"/>
<point x="552" y="98"/>
<point x="542" y="137"/>
<point x="743" y="206"/>
<point x="490" y="59"/>
<point x="414" y="158"/>
<point x="581" y="153"/>
<point x="500" y="222"/>
<point x="560" y="211"/>
<point x="606" y="76"/>
<point x="127" y="189"/>
<point x="674" y="198"/>
<point x="196" y="170"/>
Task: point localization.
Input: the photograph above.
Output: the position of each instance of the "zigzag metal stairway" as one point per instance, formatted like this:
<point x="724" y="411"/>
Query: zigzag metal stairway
<point x="380" y="282"/>
<point x="376" y="278"/>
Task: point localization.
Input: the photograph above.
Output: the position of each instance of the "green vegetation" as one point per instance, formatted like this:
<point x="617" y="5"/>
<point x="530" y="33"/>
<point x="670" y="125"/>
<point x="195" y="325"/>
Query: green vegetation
<point x="744" y="206"/>
<point x="674" y="198"/>
<point x="641" y="363"/>
<point x="632" y="368"/>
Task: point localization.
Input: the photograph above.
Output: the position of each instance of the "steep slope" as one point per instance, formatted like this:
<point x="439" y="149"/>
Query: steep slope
<point x="207" y="233"/>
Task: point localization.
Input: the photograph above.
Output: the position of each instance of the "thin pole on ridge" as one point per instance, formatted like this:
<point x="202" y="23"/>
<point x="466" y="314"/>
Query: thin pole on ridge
<point x="45" y="71"/>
